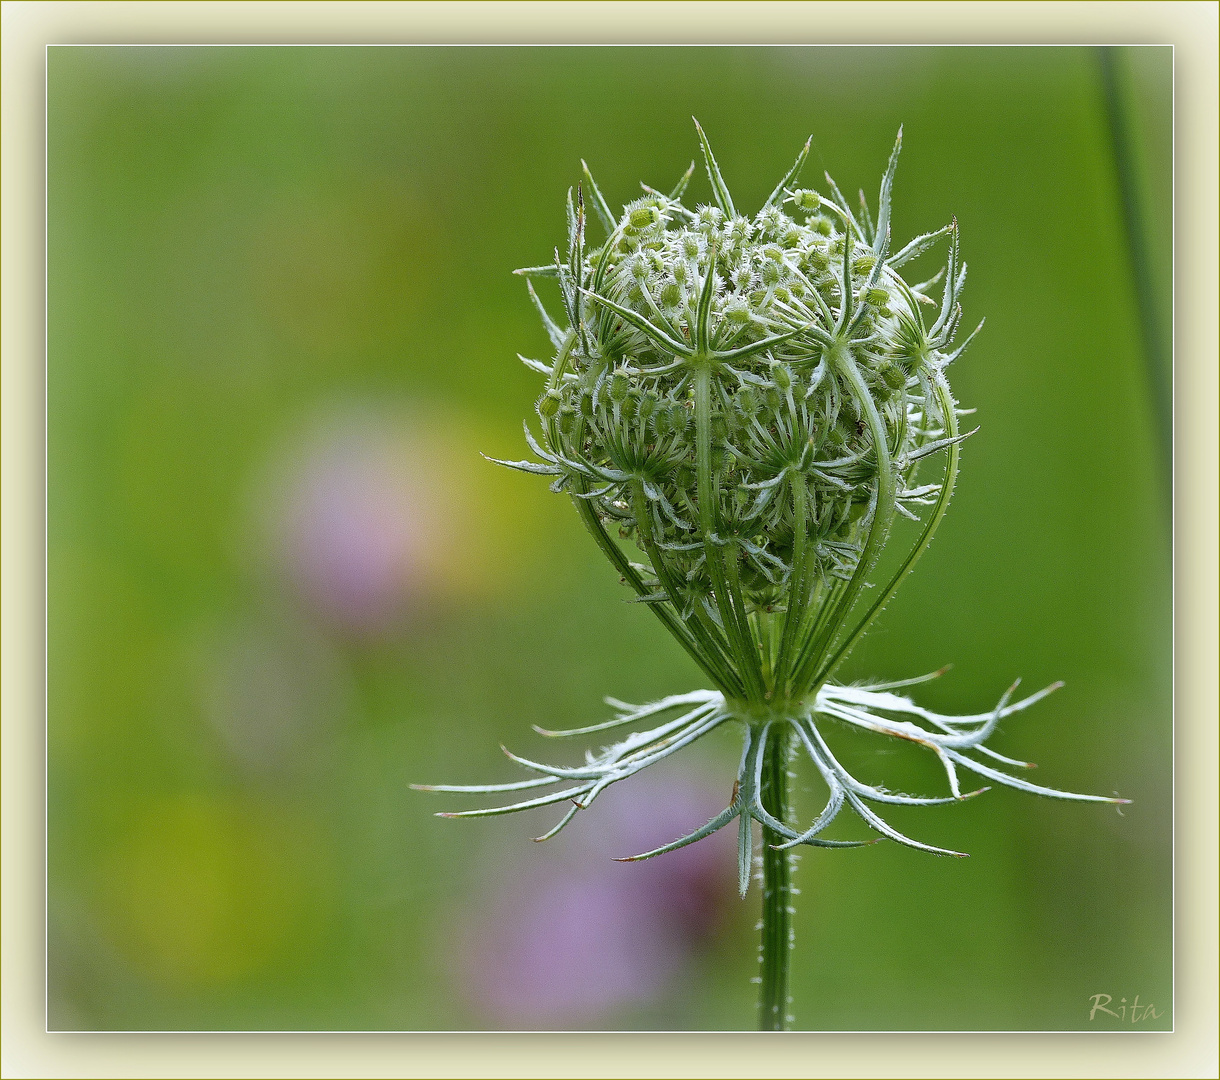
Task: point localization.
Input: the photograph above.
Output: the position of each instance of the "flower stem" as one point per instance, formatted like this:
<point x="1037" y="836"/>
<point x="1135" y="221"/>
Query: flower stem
<point x="776" y="947"/>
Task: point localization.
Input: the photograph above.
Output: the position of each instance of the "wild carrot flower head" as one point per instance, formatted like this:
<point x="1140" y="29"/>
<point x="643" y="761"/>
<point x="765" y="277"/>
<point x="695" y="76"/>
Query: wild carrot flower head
<point x="746" y="400"/>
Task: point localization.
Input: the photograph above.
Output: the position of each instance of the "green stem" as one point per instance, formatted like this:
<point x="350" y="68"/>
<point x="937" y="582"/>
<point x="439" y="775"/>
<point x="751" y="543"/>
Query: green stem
<point x="949" y="409"/>
<point x="776" y="947"/>
<point x="766" y="632"/>
<point x="739" y="637"/>
<point x="1156" y="347"/>
<point x="620" y="562"/>
<point x="713" y="656"/>
<point x="613" y="552"/>
<point x="805" y="681"/>
<point x="798" y="593"/>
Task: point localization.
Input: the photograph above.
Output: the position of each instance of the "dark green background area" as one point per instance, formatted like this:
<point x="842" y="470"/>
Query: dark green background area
<point x="244" y="240"/>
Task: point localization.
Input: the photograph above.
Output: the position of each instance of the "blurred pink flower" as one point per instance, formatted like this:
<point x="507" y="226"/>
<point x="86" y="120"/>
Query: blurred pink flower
<point x="356" y="532"/>
<point x="571" y="936"/>
<point x="362" y="524"/>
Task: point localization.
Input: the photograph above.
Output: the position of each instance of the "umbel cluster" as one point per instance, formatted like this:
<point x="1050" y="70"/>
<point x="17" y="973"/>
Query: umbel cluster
<point x="746" y="400"/>
<point x="722" y="381"/>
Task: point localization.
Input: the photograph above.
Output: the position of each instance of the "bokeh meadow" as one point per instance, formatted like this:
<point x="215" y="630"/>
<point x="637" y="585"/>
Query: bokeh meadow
<point x="283" y="585"/>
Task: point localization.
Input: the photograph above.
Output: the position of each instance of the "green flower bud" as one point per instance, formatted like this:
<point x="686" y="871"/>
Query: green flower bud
<point x="817" y="260"/>
<point x="791" y="520"/>
<point x="737" y="311"/>
<point x="804" y="199"/>
<point x="677" y="380"/>
<point x="738" y="230"/>
<point x="735" y="536"/>
<point x="641" y="215"/>
<point x="662" y="426"/>
<point x="746" y="402"/>
<point x="894" y="377"/>
<point x="642" y="218"/>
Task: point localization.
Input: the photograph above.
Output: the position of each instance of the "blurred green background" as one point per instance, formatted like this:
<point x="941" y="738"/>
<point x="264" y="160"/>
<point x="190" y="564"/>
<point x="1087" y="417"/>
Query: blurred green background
<point x="283" y="585"/>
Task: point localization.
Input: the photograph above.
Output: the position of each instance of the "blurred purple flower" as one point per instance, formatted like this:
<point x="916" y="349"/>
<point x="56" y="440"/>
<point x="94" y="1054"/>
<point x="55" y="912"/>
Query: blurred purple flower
<point x="362" y="524"/>
<point x="356" y="533"/>
<point x="569" y="938"/>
